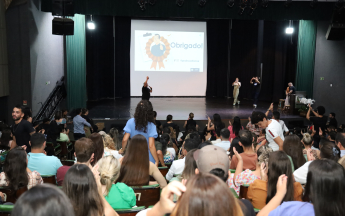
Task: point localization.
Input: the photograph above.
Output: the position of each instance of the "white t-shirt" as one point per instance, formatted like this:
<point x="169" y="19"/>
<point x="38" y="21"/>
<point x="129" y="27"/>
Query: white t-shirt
<point x="284" y="128"/>
<point x="237" y="83"/>
<point x="172" y="151"/>
<point x="274" y="130"/>
<point x="115" y="153"/>
<point x="301" y="173"/>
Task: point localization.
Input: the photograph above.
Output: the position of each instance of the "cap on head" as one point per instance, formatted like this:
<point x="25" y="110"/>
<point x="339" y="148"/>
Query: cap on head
<point x="211" y="157"/>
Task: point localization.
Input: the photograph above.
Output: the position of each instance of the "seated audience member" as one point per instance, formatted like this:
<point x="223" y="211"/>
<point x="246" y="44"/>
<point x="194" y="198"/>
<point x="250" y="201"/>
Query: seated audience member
<point x="214" y="160"/>
<point x="190" y="166"/>
<point x="202" y="145"/>
<point x="253" y="128"/>
<point x="118" y="195"/>
<point x="340" y="142"/>
<point x="217" y="123"/>
<point x="235" y="144"/>
<point x="308" y="141"/>
<point x="63" y="134"/>
<point x="178" y="165"/>
<point x="331" y="136"/>
<point x="218" y="139"/>
<point x="99" y="147"/>
<point x="38" y="161"/>
<point x="328" y="151"/>
<point x="172" y="148"/>
<point x="247" y="176"/>
<point x="43" y="200"/>
<point x="84" y="153"/>
<point x="6" y="140"/>
<point x="170" y="123"/>
<point x="323" y="193"/>
<point x="224" y="136"/>
<point x="261" y="191"/>
<point x="16" y="174"/>
<point x="293" y="147"/>
<point x="164" y="156"/>
<point x="157" y="123"/>
<point x="204" y="194"/>
<point x="116" y="136"/>
<point x="249" y="157"/>
<point x="274" y="132"/>
<point x="53" y="132"/>
<point x="110" y="147"/>
<point x="190" y="122"/>
<point x="83" y="187"/>
<point x="134" y="171"/>
<point x="234" y="127"/>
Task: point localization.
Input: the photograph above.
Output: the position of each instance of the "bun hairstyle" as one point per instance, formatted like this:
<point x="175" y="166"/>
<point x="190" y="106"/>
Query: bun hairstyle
<point x="191" y="115"/>
<point x="307" y="139"/>
<point x="109" y="170"/>
<point x="263" y="154"/>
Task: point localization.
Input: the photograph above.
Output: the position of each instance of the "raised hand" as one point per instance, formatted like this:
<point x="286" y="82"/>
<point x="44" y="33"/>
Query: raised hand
<point x="239" y="157"/>
<point x="263" y="171"/>
<point x="165" y="202"/>
<point x="271" y="107"/>
<point x="281" y="185"/>
<point x="320" y="131"/>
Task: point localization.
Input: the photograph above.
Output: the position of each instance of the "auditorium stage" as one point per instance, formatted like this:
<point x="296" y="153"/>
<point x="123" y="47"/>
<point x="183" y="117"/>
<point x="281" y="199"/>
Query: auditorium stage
<point x="179" y="107"/>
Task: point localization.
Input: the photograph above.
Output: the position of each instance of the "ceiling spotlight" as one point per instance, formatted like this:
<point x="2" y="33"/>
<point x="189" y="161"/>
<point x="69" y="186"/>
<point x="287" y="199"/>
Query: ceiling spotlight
<point x="264" y="3"/>
<point x="252" y="7"/>
<point x="231" y="3"/>
<point x="290" y="29"/>
<point x="179" y="2"/>
<point x="287" y="3"/>
<point x="91" y="25"/>
<point x="142" y="4"/>
<point x="243" y="5"/>
<point x="152" y="2"/>
<point x="202" y="2"/>
<point x="313" y="3"/>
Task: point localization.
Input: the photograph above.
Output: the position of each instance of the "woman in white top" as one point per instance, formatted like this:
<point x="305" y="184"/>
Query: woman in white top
<point x="109" y="146"/>
<point x="236" y="91"/>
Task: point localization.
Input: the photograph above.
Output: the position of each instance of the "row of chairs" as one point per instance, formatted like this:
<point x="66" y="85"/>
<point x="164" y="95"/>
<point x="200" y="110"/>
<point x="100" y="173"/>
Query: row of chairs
<point x="62" y="149"/>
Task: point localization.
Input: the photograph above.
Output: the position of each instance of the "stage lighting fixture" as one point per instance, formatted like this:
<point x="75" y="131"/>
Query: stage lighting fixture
<point x="287" y="3"/>
<point x="264" y="3"/>
<point x="142" y="4"/>
<point x="202" y="2"/>
<point x="91" y="25"/>
<point x="179" y="2"/>
<point x="231" y="3"/>
<point x="243" y="5"/>
<point x="152" y="2"/>
<point x="313" y="3"/>
<point x="253" y="6"/>
<point x="290" y="29"/>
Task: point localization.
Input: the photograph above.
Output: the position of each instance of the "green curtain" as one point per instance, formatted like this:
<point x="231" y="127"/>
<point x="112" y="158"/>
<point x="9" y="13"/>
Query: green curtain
<point x="306" y="56"/>
<point x="76" y="65"/>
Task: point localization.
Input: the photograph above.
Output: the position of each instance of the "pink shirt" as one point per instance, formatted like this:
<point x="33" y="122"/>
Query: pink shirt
<point x="232" y="134"/>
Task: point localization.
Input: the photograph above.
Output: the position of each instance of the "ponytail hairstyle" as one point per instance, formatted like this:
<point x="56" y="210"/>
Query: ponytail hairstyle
<point x="109" y="170"/>
<point x="307" y="139"/>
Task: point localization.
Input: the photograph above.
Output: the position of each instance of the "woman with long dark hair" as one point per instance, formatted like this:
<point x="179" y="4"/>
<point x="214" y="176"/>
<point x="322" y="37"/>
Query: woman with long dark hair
<point x="323" y="193"/>
<point x="136" y="168"/>
<point x="235" y="127"/>
<point x="16" y="174"/>
<point x="261" y="191"/>
<point x="292" y="146"/>
<point x="143" y="123"/>
<point x="84" y="189"/>
<point x="6" y="140"/>
<point x="27" y="114"/>
<point x="99" y="147"/>
<point x="216" y="125"/>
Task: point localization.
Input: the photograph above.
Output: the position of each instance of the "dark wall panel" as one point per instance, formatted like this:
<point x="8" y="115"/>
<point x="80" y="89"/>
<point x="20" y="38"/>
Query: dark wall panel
<point x="330" y="64"/>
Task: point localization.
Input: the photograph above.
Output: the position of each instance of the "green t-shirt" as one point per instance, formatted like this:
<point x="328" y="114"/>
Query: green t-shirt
<point x="63" y="138"/>
<point x="121" y="196"/>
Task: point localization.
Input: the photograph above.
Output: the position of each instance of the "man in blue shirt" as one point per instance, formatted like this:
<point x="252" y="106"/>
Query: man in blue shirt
<point x="38" y="161"/>
<point x="79" y="123"/>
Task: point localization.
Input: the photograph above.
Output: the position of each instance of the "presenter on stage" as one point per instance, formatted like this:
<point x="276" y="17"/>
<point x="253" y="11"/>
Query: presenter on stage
<point x="236" y="91"/>
<point x="256" y="90"/>
<point x="290" y="90"/>
<point x="146" y="90"/>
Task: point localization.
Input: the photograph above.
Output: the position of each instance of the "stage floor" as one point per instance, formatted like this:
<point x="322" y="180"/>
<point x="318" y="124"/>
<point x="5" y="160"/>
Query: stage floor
<point x="179" y="107"/>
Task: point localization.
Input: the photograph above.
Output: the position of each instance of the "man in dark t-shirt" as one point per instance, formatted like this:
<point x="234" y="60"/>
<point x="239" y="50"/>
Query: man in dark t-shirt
<point x="22" y="129"/>
<point x="146" y="90"/>
<point x="292" y="89"/>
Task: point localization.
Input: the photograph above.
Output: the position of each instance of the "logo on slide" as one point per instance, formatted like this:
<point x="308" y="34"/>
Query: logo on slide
<point x="159" y="51"/>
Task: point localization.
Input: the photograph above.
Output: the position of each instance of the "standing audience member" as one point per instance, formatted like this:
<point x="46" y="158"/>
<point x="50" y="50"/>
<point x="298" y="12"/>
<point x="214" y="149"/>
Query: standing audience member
<point x="143" y="124"/>
<point x="274" y="132"/>
<point x="323" y="193"/>
<point x="84" y="153"/>
<point x="235" y="127"/>
<point x="83" y="187"/>
<point x="16" y="173"/>
<point x="177" y="166"/>
<point x="319" y="121"/>
<point x="276" y="116"/>
<point x="43" y="200"/>
<point x="79" y="123"/>
<point x="293" y="147"/>
<point x="249" y="157"/>
<point x="118" y="195"/>
<point x="157" y="123"/>
<point x="136" y="168"/>
<point x="332" y="121"/>
<point x="84" y="114"/>
<point x="261" y="191"/>
<point x="224" y="136"/>
<point x="340" y="142"/>
<point x="38" y="161"/>
<point x="22" y="129"/>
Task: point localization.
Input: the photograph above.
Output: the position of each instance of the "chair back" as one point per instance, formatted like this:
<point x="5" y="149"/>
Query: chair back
<point x="244" y="191"/>
<point x="11" y="195"/>
<point x="5" y="210"/>
<point x="163" y="170"/>
<point x="147" y="195"/>
<point x="50" y="179"/>
<point x="67" y="162"/>
<point x="129" y="211"/>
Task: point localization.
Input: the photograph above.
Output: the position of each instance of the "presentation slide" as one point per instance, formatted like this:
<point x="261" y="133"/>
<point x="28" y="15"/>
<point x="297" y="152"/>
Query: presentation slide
<point x="172" y="53"/>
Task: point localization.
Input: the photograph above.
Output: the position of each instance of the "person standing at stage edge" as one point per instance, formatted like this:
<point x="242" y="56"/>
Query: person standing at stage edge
<point x="256" y="90"/>
<point x="146" y="90"/>
<point x="236" y="91"/>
